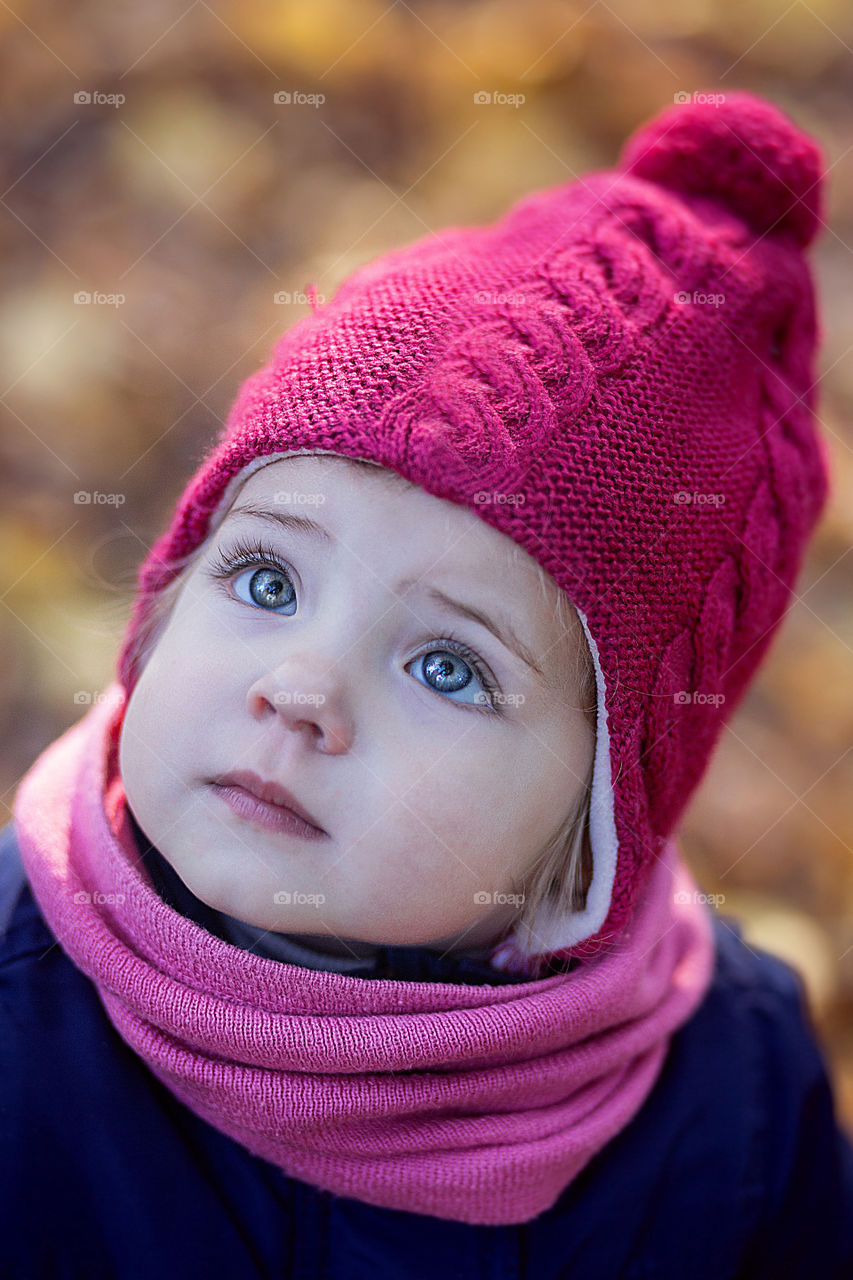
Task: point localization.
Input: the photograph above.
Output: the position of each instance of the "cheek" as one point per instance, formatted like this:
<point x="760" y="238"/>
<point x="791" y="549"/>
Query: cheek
<point x="494" y="801"/>
<point x="445" y="771"/>
<point x="452" y="803"/>
<point x="189" y="669"/>
<point x="140" y="749"/>
<point x="160" y="733"/>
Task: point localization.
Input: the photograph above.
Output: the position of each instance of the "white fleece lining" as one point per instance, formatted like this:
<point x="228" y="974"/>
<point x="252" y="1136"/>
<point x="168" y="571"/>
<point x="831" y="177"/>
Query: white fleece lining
<point x="551" y="931"/>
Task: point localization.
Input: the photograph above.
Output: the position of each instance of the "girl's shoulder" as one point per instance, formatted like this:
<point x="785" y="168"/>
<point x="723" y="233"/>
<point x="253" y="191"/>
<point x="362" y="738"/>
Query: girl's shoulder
<point x="22" y="927"/>
<point x="735" y="1166"/>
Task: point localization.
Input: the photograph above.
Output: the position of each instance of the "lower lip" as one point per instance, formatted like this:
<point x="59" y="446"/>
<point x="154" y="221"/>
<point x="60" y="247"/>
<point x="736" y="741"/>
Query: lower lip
<point x="271" y="816"/>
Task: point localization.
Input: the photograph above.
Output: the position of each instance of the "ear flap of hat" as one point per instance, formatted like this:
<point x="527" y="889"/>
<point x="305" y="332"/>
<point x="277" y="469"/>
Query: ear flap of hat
<point x="740" y="150"/>
<point x="556" y="929"/>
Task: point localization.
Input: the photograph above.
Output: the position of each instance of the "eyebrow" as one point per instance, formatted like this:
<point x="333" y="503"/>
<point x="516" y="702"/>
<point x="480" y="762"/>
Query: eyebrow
<point x="283" y="520"/>
<point x="310" y="528"/>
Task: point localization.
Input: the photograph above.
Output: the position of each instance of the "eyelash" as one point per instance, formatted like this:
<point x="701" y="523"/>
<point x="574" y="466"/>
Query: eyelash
<point x="245" y="554"/>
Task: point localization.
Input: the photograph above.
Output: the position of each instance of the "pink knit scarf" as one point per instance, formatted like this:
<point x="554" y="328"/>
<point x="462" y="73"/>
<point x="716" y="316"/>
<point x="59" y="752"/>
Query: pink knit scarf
<point x="474" y="1103"/>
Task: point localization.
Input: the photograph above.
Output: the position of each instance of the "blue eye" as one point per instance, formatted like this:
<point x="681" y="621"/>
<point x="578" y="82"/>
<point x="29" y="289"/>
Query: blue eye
<point x="271" y="589"/>
<point x="451" y="679"/>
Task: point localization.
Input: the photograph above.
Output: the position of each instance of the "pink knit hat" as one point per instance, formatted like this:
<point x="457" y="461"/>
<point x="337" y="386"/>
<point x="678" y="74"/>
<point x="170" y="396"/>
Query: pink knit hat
<point x="630" y="356"/>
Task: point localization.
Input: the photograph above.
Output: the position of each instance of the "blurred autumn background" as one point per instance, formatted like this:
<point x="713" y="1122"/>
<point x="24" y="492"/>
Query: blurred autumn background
<point x="148" y="167"/>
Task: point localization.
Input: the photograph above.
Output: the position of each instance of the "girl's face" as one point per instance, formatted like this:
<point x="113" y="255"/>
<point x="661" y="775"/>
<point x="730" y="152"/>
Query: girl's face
<point x="325" y="664"/>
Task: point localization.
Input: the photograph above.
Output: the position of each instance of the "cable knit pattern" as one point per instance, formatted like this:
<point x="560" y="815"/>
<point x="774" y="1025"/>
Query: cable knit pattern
<point x="569" y="354"/>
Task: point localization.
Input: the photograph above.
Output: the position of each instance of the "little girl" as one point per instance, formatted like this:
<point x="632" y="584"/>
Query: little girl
<point x="348" y="935"/>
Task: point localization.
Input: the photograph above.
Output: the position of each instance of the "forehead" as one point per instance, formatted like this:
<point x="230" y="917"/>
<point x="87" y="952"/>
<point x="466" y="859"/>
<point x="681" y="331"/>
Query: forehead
<point x="331" y="491"/>
<point x="332" y="472"/>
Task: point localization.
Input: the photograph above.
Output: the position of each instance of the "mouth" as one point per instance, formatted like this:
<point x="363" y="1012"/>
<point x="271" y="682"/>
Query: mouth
<point x="266" y="804"/>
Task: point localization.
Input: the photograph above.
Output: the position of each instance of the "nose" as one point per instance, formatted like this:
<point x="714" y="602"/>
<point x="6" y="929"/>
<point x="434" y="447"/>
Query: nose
<point x="305" y="693"/>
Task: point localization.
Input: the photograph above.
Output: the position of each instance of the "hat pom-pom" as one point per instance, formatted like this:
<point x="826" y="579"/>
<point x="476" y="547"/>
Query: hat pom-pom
<point x="738" y="149"/>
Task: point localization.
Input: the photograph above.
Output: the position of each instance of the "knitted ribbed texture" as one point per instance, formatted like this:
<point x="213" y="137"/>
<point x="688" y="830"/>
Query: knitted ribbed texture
<point x="473" y="1103"/>
<point x="630" y="356"/>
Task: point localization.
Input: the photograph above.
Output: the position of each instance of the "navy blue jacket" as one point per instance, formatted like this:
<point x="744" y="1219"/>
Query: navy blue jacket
<point x="734" y="1167"/>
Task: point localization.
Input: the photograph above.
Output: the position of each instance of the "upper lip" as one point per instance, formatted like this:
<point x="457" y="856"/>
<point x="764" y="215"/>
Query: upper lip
<point x="273" y="792"/>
